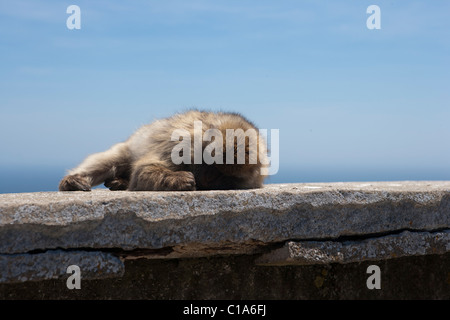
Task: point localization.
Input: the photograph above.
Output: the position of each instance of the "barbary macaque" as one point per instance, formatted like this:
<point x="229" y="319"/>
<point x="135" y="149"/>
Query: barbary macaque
<point x="150" y="160"/>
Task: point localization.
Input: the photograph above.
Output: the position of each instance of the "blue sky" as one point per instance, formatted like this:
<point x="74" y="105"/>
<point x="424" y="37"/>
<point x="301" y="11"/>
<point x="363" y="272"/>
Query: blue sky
<point x="342" y="96"/>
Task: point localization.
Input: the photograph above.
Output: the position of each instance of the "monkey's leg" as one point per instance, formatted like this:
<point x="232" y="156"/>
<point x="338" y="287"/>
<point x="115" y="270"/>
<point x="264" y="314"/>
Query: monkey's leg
<point x="156" y="176"/>
<point x="98" y="168"/>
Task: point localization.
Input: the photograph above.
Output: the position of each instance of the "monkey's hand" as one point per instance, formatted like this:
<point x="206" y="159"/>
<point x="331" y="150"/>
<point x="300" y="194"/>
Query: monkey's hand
<point x="74" y="182"/>
<point x="117" y="184"/>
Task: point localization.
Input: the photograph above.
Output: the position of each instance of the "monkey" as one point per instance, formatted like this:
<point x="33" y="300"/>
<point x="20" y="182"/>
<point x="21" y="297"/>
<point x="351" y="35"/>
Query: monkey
<point x="145" y="161"/>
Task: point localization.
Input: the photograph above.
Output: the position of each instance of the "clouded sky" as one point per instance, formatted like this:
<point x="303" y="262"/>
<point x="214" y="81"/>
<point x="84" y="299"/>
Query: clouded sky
<point x="340" y="94"/>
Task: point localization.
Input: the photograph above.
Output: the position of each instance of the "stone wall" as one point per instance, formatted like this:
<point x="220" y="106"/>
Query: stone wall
<point x="290" y="241"/>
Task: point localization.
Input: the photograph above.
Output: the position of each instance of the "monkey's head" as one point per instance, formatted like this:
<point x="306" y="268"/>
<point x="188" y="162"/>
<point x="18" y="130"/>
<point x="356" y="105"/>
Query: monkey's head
<point x="243" y="157"/>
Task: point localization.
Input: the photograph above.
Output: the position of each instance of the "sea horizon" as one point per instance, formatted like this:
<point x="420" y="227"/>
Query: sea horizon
<point x="44" y="178"/>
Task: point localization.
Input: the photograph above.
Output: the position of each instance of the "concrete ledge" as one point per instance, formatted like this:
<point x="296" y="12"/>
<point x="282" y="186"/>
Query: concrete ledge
<point x="130" y="225"/>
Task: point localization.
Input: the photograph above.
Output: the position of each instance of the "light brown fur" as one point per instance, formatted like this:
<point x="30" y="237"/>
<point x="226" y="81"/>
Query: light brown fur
<point x="143" y="162"/>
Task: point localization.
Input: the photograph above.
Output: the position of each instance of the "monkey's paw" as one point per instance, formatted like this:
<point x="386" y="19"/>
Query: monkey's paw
<point x="178" y="181"/>
<point x="74" y="182"/>
<point x="162" y="180"/>
<point x="116" y="184"/>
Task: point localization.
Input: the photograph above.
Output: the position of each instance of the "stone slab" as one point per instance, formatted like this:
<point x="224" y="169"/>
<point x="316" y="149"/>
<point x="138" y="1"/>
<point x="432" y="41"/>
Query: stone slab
<point x="399" y="245"/>
<point x="17" y="268"/>
<point x="208" y="222"/>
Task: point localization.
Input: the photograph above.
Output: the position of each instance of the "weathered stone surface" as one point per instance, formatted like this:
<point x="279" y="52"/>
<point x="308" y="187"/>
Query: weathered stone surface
<point x="42" y="233"/>
<point x="53" y="265"/>
<point x="187" y="224"/>
<point x="381" y="248"/>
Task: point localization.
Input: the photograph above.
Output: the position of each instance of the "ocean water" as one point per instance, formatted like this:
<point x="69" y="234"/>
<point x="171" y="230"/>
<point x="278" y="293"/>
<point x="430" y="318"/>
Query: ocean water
<point x="15" y="179"/>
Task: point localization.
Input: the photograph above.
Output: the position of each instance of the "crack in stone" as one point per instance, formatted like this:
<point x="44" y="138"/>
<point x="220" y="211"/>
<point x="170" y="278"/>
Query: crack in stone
<point x="362" y="237"/>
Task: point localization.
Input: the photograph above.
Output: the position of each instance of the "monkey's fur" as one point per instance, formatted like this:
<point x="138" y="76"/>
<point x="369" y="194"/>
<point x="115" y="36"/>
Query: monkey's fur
<point x="144" y="163"/>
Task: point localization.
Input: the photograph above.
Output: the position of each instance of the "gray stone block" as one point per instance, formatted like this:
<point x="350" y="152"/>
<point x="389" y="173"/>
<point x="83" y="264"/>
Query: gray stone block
<point x="16" y="268"/>
<point x="188" y="224"/>
<point x="42" y="233"/>
<point x="380" y="248"/>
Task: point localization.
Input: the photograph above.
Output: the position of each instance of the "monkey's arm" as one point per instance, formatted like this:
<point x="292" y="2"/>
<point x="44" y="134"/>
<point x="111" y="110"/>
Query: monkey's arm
<point x="111" y="165"/>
